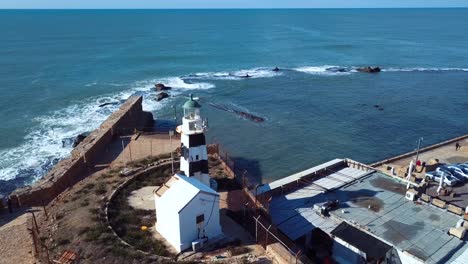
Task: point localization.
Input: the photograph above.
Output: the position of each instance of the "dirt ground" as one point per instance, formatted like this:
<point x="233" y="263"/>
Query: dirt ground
<point x="75" y="222"/>
<point x="144" y="146"/>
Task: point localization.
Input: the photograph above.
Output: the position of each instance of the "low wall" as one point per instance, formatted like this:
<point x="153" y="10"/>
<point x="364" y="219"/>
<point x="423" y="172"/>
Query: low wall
<point x="411" y="153"/>
<point x="80" y="164"/>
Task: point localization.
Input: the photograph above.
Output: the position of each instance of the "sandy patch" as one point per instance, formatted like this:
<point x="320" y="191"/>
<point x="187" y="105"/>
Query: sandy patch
<point x="142" y="198"/>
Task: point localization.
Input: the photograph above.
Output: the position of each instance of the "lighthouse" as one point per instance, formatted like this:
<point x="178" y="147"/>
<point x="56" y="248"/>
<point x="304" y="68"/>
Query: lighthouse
<point x="194" y="158"/>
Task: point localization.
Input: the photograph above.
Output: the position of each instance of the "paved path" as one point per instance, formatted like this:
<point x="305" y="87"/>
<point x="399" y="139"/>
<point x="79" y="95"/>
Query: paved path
<point x="15" y="241"/>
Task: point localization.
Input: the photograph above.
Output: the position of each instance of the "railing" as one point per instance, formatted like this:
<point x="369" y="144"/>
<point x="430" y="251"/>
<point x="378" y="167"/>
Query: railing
<point x="254" y="217"/>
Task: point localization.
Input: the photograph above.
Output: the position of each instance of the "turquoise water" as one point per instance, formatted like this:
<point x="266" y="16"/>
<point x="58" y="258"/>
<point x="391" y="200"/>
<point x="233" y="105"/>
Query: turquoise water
<point x="56" y="67"/>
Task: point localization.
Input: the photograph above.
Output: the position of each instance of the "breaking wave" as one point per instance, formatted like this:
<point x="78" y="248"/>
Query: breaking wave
<point x="42" y="147"/>
<point x="325" y="70"/>
<point x="333" y="70"/>
<point x="49" y="141"/>
<point x="254" y="73"/>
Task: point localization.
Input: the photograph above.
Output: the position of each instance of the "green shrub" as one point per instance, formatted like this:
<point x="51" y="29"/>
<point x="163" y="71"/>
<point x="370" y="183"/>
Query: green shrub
<point x="101" y="188"/>
<point x="89" y="186"/>
<point x="85" y="203"/>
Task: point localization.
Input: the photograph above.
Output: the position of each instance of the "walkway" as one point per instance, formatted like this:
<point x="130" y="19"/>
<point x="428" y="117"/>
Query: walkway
<point x="15" y="240"/>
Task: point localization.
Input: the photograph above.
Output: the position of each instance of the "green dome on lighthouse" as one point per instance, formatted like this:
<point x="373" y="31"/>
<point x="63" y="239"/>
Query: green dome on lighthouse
<point x="191" y="104"/>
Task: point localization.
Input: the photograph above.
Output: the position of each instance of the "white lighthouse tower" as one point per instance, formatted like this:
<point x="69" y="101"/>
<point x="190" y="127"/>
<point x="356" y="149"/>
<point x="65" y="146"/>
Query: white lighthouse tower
<point x="194" y="158"/>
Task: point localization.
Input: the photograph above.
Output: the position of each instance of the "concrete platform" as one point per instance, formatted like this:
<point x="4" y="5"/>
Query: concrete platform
<point x="460" y="198"/>
<point x="143" y="198"/>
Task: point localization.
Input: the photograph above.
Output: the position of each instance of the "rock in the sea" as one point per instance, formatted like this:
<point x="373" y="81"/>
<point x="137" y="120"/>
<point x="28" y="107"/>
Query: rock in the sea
<point x="161" y="87"/>
<point x="79" y="138"/>
<point x="162" y="96"/>
<point x="369" y="69"/>
<point x="110" y="103"/>
<point x="276" y="69"/>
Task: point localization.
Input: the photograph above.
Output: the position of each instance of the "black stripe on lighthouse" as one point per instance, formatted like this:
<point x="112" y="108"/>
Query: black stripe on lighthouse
<point x="198" y="166"/>
<point x="196" y="140"/>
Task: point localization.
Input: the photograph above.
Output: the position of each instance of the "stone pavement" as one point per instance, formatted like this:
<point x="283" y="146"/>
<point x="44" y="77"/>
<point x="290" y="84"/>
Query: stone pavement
<point x="16" y="244"/>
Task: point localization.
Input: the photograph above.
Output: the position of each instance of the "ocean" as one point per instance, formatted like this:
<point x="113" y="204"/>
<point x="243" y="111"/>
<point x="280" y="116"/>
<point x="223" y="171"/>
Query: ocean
<point x="57" y="66"/>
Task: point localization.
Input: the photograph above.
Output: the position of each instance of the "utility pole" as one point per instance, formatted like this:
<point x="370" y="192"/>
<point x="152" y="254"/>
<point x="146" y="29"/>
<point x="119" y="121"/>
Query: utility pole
<point x="419" y="145"/>
<point x="175" y="115"/>
<point x="171" y="133"/>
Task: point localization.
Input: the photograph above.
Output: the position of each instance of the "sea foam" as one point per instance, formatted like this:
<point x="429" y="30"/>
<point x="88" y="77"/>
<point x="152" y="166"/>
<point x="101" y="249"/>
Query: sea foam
<point x="236" y="75"/>
<point x="42" y="147"/>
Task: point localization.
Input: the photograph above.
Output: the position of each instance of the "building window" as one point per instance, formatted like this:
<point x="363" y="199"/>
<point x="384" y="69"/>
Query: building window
<point x="200" y="218"/>
<point x="196" y="157"/>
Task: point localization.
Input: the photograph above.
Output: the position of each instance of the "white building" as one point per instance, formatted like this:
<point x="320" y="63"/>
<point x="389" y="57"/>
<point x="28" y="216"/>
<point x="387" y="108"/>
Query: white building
<point x="194" y="158"/>
<point x="186" y="211"/>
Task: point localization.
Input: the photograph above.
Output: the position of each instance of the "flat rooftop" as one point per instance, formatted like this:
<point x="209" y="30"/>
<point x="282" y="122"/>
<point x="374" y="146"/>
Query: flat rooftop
<point x="376" y="204"/>
<point x="460" y="191"/>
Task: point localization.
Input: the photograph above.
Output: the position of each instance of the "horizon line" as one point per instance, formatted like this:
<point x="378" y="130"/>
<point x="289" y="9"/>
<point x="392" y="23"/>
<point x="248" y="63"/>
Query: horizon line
<point x="238" y="8"/>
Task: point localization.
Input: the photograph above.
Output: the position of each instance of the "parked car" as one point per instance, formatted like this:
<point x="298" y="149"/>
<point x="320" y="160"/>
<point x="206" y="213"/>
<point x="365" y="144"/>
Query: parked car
<point x="449" y="180"/>
<point x="454" y="171"/>
<point x="463" y="166"/>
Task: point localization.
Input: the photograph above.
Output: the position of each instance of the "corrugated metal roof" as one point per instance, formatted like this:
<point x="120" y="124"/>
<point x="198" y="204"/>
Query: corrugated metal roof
<point x="375" y="203"/>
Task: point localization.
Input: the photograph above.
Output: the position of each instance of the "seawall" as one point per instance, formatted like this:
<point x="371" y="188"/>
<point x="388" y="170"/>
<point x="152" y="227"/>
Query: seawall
<point x="85" y="156"/>
<point x="422" y="150"/>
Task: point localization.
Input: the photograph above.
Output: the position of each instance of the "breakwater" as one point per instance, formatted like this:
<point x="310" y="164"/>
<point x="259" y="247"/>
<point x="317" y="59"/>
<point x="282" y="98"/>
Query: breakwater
<point x="82" y="160"/>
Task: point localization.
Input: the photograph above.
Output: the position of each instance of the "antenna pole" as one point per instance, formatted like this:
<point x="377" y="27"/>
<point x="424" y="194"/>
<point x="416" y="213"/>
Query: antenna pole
<point x="419" y="145"/>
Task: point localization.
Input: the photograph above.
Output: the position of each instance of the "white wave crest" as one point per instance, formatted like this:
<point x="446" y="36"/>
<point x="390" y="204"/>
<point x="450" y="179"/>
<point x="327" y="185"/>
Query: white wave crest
<point x="258" y="73"/>
<point x="177" y="82"/>
<point x="330" y="70"/>
<point x="327" y="70"/>
<point x="422" y="69"/>
<point x="261" y="72"/>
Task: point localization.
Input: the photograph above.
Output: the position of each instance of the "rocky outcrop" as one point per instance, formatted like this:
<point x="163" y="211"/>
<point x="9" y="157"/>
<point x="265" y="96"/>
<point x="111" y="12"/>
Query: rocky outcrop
<point x="161" y="87"/>
<point x="79" y="138"/>
<point x="161" y="96"/>
<point x="369" y="69"/>
<point x="110" y="103"/>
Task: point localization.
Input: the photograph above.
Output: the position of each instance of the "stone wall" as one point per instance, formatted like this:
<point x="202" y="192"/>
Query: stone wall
<point x="84" y="157"/>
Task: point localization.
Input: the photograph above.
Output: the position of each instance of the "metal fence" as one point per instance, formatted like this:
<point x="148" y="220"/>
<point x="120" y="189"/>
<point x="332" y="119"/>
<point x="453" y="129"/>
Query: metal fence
<point x="41" y="251"/>
<point x="254" y="216"/>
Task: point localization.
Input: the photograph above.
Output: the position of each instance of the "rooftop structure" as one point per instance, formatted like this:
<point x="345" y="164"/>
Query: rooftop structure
<point x="186" y="211"/>
<point x="370" y="202"/>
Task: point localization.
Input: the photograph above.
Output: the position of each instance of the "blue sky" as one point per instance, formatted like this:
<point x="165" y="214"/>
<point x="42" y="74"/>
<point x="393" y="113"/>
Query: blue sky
<point x="228" y="3"/>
